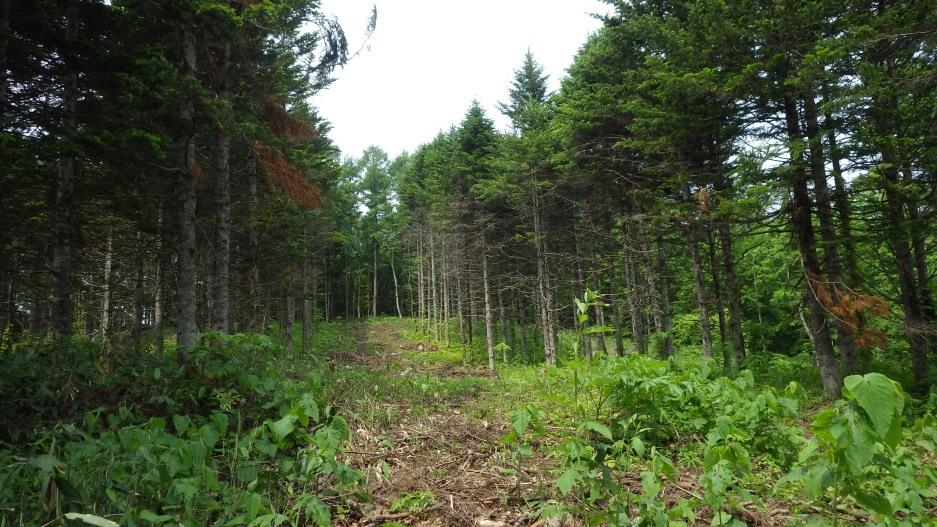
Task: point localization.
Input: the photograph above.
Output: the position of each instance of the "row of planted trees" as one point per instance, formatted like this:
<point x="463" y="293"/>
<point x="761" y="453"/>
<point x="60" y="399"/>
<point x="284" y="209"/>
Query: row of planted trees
<point x="161" y="168"/>
<point x="751" y="178"/>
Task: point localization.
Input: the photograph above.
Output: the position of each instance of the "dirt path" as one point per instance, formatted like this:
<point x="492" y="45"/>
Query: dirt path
<point x="430" y="449"/>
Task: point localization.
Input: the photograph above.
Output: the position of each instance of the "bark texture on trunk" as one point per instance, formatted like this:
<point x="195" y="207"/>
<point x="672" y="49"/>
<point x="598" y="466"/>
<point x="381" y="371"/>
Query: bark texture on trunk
<point x="65" y="188"/>
<point x="220" y="303"/>
<point x="187" y="194"/>
<point x="833" y="265"/>
<point x="489" y="330"/>
<point x="702" y="302"/>
<point x="139" y="282"/>
<point x="732" y="291"/>
<point x="801" y="207"/>
<point x="544" y="285"/>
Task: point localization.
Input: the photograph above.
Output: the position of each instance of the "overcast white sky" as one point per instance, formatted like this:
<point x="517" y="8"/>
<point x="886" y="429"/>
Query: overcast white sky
<point x="428" y="59"/>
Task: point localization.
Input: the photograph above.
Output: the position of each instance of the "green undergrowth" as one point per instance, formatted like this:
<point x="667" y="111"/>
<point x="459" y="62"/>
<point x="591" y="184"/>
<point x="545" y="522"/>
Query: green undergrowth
<point x="748" y="443"/>
<point x="241" y="433"/>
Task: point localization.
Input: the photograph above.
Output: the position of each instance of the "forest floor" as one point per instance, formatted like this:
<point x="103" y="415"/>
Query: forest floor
<point x="426" y="434"/>
<point x="430" y="449"/>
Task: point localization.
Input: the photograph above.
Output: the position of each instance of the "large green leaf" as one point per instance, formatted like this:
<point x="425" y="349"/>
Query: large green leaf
<point x="880" y="397"/>
<point x="568" y="480"/>
<point x="283" y="427"/>
<point x="596" y="427"/>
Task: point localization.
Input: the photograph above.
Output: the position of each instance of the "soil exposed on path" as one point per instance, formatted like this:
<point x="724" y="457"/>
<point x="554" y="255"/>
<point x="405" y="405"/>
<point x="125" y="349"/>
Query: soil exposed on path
<point x="437" y="458"/>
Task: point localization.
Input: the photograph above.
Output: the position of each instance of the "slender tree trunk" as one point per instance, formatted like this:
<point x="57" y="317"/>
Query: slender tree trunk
<point x="599" y="311"/>
<point x="136" y="331"/>
<point x="64" y="188"/>
<point x="106" y="321"/>
<point x="187" y="183"/>
<point x="421" y="281"/>
<point x="666" y="314"/>
<point x="348" y="296"/>
<point x="433" y="292"/>
<point x="397" y="300"/>
<point x="919" y="247"/>
<point x="544" y="286"/>
<point x="220" y="319"/>
<point x="802" y="222"/>
<point x="579" y="289"/>
<point x="308" y="293"/>
<point x="817" y="162"/>
<point x="702" y="301"/>
<point x="445" y="293"/>
<point x="461" y="313"/>
<point x="904" y="264"/>
<point x="489" y="330"/>
<point x="650" y="279"/>
<point x="616" y="308"/>
<point x="718" y="289"/>
<point x="159" y="311"/>
<point x="732" y="290"/>
<point x="631" y="295"/>
<point x="505" y="352"/>
<point x="288" y="316"/>
<point x="473" y="311"/>
<point x="522" y="326"/>
<point x="253" y="234"/>
<point x="375" y="287"/>
<point x="11" y="309"/>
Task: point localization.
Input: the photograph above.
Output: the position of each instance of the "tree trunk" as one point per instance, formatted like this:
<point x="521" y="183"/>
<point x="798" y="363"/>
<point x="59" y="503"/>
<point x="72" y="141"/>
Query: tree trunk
<point x="329" y="307"/>
<point x="718" y="290"/>
<point x="802" y="222"/>
<point x="650" y="279"/>
<point x="489" y="330"/>
<point x="434" y="297"/>
<point x="579" y="291"/>
<point x="64" y="188"/>
<point x="666" y="315"/>
<point x="544" y="286"/>
<point x="732" y="291"/>
<point x="288" y="316"/>
<point x="598" y="310"/>
<point x="461" y="313"/>
<point x="631" y="295"/>
<point x="421" y="282"/>
<point x="445" y="294"/>
<point x="375" y="285"/>
<point x="699" y="276"/>
<point x="253" y="235"/>
<point x="397" y="300"/>
<point x="308" y="292"/>
<point x="616" y="309"/>
<point x="505" y="351"/>
<point x="220" y="319"/>
<point x="187" y="183"/>
<point x="904" y="264"/>
<point x="136" y="331"/>
<point x="838" y="287"/>
<point x="522" y="326"/>
<point x="159" y="311"/>
<point x="106" y="321"/>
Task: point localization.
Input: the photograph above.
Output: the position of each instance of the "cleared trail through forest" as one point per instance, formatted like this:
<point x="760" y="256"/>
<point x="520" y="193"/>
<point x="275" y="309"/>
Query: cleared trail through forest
<point x="423" y="437"/>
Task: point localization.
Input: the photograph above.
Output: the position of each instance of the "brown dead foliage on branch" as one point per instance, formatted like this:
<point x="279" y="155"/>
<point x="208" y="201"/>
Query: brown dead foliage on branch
<point x="854" y="309"/>
<point x="285" y="177"/>
<point x="285" y="125"/>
